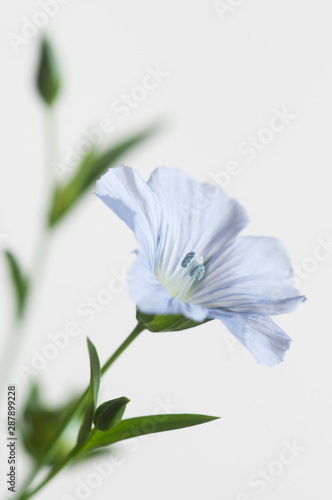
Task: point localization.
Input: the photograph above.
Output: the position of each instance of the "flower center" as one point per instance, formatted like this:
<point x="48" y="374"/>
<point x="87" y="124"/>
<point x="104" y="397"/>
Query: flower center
<point x="192" y="269"/>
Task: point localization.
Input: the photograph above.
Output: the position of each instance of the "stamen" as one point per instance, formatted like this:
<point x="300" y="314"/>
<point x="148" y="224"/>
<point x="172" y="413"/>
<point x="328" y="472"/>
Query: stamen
<point x="185" y="276"/>
<point x="197" y="272"/>
<point x="187" y="259"/>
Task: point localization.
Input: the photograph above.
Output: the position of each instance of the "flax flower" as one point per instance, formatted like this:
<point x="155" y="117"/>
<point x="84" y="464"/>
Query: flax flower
<point x="192" y="266"/>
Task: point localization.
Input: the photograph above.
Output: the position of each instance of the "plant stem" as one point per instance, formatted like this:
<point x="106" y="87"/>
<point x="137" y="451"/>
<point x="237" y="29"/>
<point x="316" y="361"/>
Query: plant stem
<point x="13" y="343"/>
<point x="49" y="454"/>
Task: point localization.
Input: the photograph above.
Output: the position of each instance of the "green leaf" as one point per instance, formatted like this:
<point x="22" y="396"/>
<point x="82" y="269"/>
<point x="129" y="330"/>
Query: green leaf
<point x="93" y="394"/>
<point x="167" y="323"/>
<point x="92" y="166"/>
<point x="48" y="76"/>
<point x="140" y="426"/>
<point x="64" y="197"/>
<point x="20" y="282"/>
<point x="110" y="413"/>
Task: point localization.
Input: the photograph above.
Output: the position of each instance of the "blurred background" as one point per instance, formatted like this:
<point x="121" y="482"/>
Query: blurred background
<point x="238" y="93"/>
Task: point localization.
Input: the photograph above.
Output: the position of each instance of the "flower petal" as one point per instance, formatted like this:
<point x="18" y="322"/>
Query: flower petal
<point x="195" y="217"/>
<point x="264" y="339"/>
<point x="152" y="298"/>
<point x="129" y="196"/>
<point x="252" y="274"/>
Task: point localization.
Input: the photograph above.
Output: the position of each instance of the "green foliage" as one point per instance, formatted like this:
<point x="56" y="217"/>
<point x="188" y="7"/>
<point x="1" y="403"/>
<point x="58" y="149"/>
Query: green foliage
<point x="140" y="426"/>
<point x="38" y="425"/>
<point x="92" y="166"/>
<point x="110" y="413"/>
<point x="48" y="75"/>
<point x="19" y="281"/>
<point x="93" y="394"/>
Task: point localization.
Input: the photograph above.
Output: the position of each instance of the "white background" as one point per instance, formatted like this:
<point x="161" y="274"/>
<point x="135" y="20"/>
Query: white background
<point x="225" y="77"/>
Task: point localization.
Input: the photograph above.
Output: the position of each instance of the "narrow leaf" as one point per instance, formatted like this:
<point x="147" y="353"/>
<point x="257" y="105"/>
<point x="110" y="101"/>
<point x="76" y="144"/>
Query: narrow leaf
<point x="64" y="197"/>
<point x="110" y="413"/>
<point x="140" y="426"/>
<point x="20" y="282"/>
<point x="48" y="76"/>
<point x="92" y="166"/>
<point x="93" y="394"/>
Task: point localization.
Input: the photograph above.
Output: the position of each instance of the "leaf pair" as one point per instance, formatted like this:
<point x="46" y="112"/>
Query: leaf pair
<point x="106" y="415"/>
<point x="109" y="426"/>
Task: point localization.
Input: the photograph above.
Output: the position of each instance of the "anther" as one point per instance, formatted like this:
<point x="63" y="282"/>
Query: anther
<point x="187" y="259"/>
<point x="197" y="272"/>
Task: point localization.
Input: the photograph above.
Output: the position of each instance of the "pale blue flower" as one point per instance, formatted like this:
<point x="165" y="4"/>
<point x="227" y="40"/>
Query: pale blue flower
<point x="191" y="261"/>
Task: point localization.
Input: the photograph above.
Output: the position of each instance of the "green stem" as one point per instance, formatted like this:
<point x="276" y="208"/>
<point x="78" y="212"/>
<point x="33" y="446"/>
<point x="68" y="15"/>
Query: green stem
<point x="136" y="331"/>
<point x="14" y="342"/>
<point x="50" y="452"/>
